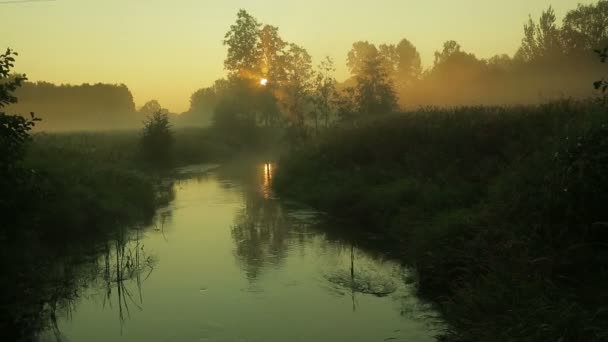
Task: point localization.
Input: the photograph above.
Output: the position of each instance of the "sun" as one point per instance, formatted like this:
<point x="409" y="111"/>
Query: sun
<point x="263" y="81"/>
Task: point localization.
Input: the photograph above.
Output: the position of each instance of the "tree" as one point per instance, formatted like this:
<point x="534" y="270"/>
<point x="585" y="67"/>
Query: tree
<point x="157" y="140"/>
<point x="14" y="136"/>
<point x="345" y="103"/>
<point x="14" y="129"/>
<point x="374" y="90"/>
<point x="271" y="48"/>
<point x="151" y="107"/>
<point x="298" y="85"/>
<point x="403" y="64"/>
<point x="236" y="109"/>
<point x="500" y="62"/>
<point x="408" y="64"/>
<point x="359" y="53"/>
<point x="586" y="28"/>
<point x="243" y="39"/>
<point x="324" y="91"/>
<point x="542" y="40"/>
<point x="202" y="105"/>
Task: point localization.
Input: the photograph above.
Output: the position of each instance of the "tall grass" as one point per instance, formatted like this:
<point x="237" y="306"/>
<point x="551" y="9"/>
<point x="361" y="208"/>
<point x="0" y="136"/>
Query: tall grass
<point x="500" y="209"/>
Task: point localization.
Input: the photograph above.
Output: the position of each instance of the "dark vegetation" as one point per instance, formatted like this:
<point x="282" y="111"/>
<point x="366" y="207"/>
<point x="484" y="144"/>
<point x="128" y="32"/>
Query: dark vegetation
<point x="54" y="197"/>
<point x="501" y="210"/>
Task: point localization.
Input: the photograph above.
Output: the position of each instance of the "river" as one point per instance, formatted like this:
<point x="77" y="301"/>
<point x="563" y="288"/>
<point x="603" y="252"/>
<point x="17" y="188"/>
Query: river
<point x="228" y="261"/>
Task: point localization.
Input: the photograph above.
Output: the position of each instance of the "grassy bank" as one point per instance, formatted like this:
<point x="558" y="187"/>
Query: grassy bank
<point x="501" y="210"/>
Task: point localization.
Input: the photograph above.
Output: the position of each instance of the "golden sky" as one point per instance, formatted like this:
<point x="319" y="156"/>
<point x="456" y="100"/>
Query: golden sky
<point x="166" y="49"/>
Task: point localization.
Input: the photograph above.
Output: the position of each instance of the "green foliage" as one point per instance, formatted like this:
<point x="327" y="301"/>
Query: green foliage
<point x="157" y="140"/>
<point x="500" y="209"/>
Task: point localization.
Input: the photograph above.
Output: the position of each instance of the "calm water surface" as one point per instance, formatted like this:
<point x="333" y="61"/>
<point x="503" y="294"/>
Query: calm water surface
<point x="227" y="261"/>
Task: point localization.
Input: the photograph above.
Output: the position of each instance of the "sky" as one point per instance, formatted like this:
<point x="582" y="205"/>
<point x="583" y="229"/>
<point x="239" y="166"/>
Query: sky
<point x="167" y="49"/>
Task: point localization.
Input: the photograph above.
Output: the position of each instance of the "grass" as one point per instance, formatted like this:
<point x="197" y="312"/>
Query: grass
<point x="500" y="210"/>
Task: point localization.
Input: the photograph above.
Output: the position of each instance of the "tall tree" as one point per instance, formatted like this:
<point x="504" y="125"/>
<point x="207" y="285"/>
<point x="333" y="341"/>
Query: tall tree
<point x="403" y="63"/>
<point x="586" y="27"/>
<point x="242" y="40"/>
<point x="541" y="41"/>
<point x="359" y="53"/>
<point x="375" y="93"/>
<point x="299" y="75"/>
<point x="324" y="91"/>
<point x="271" y="49"/>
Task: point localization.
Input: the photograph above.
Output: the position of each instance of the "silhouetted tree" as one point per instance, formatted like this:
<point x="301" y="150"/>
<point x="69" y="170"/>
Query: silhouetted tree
<point x="359" y="53"/>
<point x="242" y="39"/>
<point x="151" y="107"/>
<point x="586" y="28"/>
<point x="324" y="92"/>
<point x="374" y="90"/>
<point x="298" y="84"/>
<point x="271" y="51"/>
<point x="14" y="135"/>
<point x="236" y="112"/>
<point x="403" y="63"/>
<point x="540" y="40"/>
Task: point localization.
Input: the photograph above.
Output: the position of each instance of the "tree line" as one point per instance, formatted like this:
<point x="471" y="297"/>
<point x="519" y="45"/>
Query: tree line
<point x="553" y="61"/>
<point x="77" y="107"/>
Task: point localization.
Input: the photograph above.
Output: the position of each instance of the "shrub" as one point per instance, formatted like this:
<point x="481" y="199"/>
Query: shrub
<point x="157" y="140"/>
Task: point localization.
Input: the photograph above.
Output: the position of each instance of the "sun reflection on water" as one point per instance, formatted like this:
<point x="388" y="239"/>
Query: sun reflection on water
<point x="268" y="172"/>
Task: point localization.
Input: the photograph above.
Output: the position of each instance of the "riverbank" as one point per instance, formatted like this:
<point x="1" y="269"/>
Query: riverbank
<point x="499" y="209"/>
<point x="76" y="193"/>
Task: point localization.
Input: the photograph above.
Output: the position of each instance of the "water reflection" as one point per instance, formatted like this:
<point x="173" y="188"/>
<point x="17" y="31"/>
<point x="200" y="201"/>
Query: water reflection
<point x="268" y="171"/>
<point x="117" y="276"/>
<point x="228" y="261"/>
<point x="126" y="266"/>
<point x="261" y="229"/>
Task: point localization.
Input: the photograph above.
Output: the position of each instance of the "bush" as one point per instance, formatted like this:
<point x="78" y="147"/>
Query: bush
<point x="157" y="140"/>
